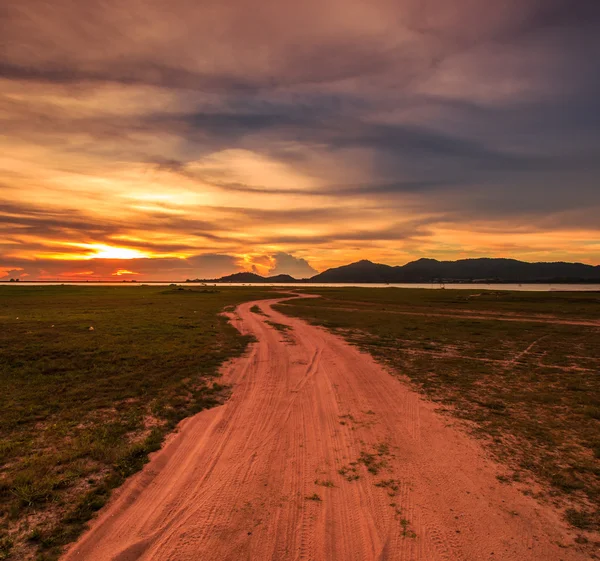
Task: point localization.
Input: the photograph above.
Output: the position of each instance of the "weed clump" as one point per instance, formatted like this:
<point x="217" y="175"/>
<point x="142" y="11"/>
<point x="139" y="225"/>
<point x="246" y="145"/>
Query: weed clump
<point x="350" y="472"/>
<point x="582" y="519"/>
<point x="279" y="326"/>
<point x="324" y="483"/>
<point x="392" y="485"/>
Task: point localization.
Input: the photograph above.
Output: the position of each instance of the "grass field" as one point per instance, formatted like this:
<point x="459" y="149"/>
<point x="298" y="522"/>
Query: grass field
<point x="521" y="369"/>
<point x="82" y="407"/>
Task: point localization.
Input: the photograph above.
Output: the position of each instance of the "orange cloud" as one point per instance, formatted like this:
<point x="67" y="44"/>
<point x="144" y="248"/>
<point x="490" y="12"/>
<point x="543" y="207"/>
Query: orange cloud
<point x="68" y="274"/>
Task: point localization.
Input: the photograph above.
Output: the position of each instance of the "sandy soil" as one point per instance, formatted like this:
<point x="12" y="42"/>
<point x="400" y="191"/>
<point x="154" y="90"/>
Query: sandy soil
<point x="234" y="483"/>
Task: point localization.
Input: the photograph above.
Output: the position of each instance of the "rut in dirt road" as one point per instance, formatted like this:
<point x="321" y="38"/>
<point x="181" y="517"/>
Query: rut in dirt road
<point x="319" y="455"/>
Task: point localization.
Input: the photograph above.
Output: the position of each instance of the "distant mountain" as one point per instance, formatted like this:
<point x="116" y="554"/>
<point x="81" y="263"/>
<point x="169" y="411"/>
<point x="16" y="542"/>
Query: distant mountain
<point x="432" y="270"/>
<point x="242" y="277"/>
<point x="281" y="278"/>
<point x="251" y="278"/>
<point x="463" y="270"/>
<point x="365" y="270"/>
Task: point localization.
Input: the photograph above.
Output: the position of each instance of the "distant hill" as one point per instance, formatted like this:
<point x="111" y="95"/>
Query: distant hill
<point x="463" y="270"/>
<point x="432" y="270"/>
<point x="364" y="270"/>
<point x="281" y="278"/>
<point x="250" y="278"/>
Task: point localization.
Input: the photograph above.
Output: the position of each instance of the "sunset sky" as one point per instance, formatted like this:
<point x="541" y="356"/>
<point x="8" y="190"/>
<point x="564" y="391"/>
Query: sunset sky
<point x="181" y="139"/>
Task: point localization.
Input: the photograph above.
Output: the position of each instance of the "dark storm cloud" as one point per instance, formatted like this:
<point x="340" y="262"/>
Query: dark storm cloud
<point x="562" y="13"/>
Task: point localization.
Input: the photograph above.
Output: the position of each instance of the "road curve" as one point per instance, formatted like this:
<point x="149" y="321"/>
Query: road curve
<point x="281" y="472"/>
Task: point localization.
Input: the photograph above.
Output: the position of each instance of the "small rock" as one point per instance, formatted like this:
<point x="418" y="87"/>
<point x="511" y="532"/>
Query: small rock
<point x="91" y="328"/>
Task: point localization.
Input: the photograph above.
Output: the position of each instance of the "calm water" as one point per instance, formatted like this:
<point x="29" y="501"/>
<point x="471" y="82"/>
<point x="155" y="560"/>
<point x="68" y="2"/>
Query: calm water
<point x="524" y="287"/>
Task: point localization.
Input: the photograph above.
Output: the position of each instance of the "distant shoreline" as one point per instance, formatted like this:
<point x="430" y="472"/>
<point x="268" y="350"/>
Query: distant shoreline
<point x="520" y="287"/>
<point x="479" y="271"/>
<point x="296" y="282"/>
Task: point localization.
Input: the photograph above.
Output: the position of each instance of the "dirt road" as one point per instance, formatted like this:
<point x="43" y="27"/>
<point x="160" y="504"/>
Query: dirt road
<point x="319" y="455"/>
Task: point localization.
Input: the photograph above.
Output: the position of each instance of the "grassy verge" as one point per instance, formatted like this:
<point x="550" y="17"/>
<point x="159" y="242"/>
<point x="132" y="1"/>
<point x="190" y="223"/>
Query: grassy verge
<point x="82" y="408"/>
<point x="530" y="388"/>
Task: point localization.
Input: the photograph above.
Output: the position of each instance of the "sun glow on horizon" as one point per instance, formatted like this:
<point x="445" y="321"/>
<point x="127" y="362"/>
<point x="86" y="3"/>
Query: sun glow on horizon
<point x="102" y="251"/>
<point x="73" y="251"/>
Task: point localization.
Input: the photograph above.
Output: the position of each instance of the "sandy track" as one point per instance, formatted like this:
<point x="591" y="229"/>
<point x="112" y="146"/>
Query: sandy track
<point x="233" y="483"/>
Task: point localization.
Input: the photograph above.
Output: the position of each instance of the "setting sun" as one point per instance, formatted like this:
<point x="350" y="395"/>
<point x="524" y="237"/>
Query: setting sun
<point x="101" y="251"/>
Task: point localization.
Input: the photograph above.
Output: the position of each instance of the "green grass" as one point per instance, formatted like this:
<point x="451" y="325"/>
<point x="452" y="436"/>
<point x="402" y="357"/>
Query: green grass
<point x="530" y="389"/>
<point x="82" y="409"/>
<point x="561" y="304"/>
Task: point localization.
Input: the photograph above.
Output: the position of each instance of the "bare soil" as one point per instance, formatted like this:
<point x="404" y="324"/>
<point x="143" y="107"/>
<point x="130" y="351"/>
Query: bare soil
<point x="320" y="454"/>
